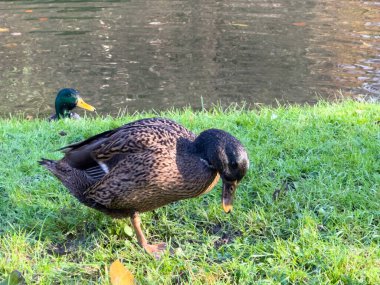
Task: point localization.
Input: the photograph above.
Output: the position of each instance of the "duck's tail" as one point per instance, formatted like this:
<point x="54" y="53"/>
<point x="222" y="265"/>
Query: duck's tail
<point x="70" y="177"/>
<point x="48" y="163"/>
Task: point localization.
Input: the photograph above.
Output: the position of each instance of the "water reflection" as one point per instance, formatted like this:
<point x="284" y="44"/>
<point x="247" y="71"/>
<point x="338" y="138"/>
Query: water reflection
<point x="159" y="54"/>
<point x="353" y="48"/>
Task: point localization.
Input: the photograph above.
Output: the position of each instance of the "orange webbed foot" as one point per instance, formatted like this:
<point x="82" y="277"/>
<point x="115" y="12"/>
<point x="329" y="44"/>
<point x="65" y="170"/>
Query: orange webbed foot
<point x="156" y="250"/>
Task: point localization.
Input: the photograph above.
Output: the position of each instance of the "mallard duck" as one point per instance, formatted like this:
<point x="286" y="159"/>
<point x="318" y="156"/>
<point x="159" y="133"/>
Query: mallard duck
<point x="67" y="99"/>
<point x="147" y="164"/>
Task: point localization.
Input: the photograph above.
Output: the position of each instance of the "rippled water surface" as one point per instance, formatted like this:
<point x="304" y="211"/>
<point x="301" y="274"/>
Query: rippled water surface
<point x="143" y="55"/>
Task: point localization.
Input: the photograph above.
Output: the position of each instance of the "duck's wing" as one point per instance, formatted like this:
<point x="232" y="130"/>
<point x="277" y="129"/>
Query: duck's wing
<point x="178" y="131"/>
<point x="98" y="155"/>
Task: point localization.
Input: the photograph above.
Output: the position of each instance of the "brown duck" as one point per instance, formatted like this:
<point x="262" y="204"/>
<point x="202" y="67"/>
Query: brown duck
<point x="147" y="164"/>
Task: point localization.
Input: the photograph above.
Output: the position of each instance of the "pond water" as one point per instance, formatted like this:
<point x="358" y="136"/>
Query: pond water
<point x="142" y="55"/>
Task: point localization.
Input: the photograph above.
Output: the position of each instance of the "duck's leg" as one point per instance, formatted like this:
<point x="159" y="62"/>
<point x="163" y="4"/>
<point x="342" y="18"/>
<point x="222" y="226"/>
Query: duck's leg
<point x="154" y="249"/>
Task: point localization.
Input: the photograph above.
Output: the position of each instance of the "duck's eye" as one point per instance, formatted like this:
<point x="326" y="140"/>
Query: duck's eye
<point x="234" y="164"/>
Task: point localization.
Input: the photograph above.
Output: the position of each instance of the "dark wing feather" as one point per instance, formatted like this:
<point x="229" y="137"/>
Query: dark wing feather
<point x="91" y="140"/>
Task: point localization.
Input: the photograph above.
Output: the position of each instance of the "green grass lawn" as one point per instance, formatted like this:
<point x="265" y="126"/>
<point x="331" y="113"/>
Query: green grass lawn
<point x="308" y="211"/>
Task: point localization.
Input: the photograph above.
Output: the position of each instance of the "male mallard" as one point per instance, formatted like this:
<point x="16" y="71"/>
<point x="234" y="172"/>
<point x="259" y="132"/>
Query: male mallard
<point x="147" y="164"/>
<point x="67" y="99"/>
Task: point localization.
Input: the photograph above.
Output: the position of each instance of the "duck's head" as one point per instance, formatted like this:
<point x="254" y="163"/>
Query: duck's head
<point x="225" y="154"/>
<point x="66" y="100"/>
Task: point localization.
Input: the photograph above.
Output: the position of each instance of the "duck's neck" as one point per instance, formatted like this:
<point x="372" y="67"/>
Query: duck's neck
<point x="62" y="112"/>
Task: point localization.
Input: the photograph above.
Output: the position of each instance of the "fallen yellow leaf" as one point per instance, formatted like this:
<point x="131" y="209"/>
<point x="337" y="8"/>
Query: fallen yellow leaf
<point x="120" y="275"/>
<point x="4" y="30"/>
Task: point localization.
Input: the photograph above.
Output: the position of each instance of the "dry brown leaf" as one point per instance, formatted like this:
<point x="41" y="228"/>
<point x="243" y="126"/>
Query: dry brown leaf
<point x="120" y="275"/>
<point x="28" y="11"/>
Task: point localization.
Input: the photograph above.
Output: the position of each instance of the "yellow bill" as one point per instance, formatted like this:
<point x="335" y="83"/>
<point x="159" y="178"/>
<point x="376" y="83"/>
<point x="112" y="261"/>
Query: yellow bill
<point x="84" y="105"/>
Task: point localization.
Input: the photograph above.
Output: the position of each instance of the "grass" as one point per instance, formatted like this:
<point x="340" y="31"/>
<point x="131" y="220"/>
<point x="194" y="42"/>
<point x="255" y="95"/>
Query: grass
<point x="308" y="211"/>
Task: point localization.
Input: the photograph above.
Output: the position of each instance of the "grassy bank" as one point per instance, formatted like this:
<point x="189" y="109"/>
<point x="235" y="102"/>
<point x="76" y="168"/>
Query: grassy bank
<point x="308" y="211"/>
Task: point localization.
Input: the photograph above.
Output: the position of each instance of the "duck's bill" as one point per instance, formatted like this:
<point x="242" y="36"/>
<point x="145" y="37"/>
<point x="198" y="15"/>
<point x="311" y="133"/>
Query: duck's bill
<point x="228" y="195"/>
<point x="84" y="105"/>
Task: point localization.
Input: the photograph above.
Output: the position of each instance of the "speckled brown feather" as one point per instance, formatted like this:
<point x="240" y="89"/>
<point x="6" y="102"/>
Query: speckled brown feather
<point x="150" y="164"/>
